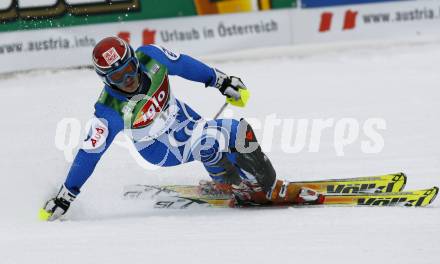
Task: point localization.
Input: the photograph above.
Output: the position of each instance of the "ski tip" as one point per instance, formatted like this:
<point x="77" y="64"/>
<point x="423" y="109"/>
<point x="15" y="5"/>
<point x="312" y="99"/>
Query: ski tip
<point x="435" y="189"/>
<point x="405" y="178"/>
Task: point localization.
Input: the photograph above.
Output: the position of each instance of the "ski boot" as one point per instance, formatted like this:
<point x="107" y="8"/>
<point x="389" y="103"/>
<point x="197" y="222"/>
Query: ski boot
<point x="260" y="186"/>
<point x="283" y="193"/>
<point x="251" y="194"/>
<point x="223" y="180"/>
<point x="214" y="188"/>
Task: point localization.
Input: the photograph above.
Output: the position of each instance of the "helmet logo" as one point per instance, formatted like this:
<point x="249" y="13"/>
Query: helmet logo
<point x="111" y="56"/>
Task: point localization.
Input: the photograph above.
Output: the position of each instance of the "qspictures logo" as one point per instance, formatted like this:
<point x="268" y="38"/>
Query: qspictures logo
<point x="351" y="18"/>
<point x="290" y="136"/>
<point x="44" y="9"/>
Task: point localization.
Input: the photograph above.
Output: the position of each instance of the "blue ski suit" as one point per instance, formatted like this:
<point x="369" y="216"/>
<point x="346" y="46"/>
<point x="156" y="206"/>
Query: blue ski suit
<point x="170" y="135"/>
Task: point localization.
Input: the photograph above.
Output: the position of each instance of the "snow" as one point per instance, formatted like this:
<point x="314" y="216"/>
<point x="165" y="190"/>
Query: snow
<point x="397" y="82"/>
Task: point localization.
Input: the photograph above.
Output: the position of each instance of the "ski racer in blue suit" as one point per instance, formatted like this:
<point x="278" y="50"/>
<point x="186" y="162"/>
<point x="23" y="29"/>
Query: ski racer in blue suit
<point x="137" y="99"/>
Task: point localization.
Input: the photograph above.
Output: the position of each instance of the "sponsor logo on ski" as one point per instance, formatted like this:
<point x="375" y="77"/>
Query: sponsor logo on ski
<point x="178" y="203"/>
<point x="355" y="188"/>
<point x="391" y="201"/>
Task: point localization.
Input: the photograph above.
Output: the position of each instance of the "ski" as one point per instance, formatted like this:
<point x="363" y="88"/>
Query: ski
<point x="416" y="198"/>
<point x="394" y="182"/>
<point x="408" y="198"/>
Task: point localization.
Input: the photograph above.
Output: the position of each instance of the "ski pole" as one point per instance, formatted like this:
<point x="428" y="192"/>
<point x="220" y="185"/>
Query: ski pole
<point x="240" y="102"/>
<point x="221" y="110"/>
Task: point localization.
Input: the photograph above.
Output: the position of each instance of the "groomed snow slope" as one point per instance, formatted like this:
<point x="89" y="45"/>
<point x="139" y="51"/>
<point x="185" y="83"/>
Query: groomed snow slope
<point x="399" y="83"/>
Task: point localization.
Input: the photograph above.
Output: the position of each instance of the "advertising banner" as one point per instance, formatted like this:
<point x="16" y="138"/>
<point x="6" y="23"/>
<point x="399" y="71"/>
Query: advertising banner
<point x="38" y="14"/>
<point x="368" y="21"/>
<point x="61" y="33"/>
<point x="203" y="35"/>
<point x="327" y="3"/>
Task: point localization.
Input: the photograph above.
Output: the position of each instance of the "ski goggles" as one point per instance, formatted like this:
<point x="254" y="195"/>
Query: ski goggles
<point x="120" y="75"/>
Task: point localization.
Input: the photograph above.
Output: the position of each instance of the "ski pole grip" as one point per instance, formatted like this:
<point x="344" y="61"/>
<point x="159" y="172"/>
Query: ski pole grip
<point x="244" y="98"/>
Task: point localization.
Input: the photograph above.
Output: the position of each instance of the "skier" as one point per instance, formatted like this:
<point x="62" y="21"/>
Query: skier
<point x="137" y="99"/>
